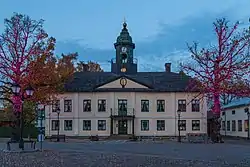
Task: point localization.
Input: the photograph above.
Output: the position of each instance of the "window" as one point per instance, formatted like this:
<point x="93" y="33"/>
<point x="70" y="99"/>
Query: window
<point x="101" y="105"/>
<point x="223" y="113"/>
<point x="86" y="125"/>
<point x="67" y="105"/>
<point x="160" y="125"/>
<point x="182" y="125"/>
<point x="55" y="124"/>
<point x="101" y="125"/>
<point x="144" y="125"/>
<point x="68" y="124"/>
<point x="240" y="125"/>
<point x="55" y="105"/>
<point x="246" y="124"/>
<point x="122" y="105"/>
<point x="144" y="105"/>
<point x="228" y="125"/>
<point x="182" y="105"/>
<point x="87" y="105"/>
<point x="160" y="105"/>
<point x="233" y="112"/>
<point x="223" y="125"/>
<point x="233" y="125"/>
<point x="196" y="125"/>
<point x="195" y="105"/>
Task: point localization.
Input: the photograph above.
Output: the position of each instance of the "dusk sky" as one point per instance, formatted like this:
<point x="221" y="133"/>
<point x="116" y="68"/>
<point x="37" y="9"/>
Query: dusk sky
<point x="160" y="29"/>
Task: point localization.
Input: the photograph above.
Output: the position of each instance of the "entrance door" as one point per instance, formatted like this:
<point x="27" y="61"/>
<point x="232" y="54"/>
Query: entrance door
<point x="122" y="127"/>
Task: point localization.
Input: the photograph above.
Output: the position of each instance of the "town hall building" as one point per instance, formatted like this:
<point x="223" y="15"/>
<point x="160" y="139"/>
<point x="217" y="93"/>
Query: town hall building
<point x="127" y="102"/>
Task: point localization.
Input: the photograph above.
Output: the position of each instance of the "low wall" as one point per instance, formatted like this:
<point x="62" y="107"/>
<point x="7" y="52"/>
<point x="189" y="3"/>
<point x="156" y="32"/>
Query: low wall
<point x="5" y="132"/>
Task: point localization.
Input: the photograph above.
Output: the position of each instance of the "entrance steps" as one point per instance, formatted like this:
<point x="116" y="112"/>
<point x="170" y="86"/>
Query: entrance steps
<point x="119" y="137"/>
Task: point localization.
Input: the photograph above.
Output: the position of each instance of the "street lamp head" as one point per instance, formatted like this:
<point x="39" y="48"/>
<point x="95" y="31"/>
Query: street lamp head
<point x="178" y="111"/>
<point x="15" y="88"/>
<point x="29" y="91"/>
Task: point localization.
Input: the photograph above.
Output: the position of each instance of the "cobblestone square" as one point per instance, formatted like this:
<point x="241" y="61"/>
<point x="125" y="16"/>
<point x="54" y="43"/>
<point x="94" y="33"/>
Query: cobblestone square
<point x="130" y="154"/>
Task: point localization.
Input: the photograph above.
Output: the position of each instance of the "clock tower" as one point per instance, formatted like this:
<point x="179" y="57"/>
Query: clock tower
<point x="124" y="63"/>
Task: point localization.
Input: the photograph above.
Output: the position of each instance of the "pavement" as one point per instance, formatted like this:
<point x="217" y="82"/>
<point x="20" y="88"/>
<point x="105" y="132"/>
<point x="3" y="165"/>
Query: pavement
<point x="122" y="153"/>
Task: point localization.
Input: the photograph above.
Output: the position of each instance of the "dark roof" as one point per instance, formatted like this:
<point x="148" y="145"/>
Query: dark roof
<point x="155" y="81"/>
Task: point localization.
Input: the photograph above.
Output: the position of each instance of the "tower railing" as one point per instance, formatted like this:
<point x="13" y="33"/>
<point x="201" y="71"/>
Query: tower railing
<point x="113" y="61"/>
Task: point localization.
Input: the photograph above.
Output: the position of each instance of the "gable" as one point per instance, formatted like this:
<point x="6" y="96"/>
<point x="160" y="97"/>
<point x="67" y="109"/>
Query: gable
<point x="116" y="84"/>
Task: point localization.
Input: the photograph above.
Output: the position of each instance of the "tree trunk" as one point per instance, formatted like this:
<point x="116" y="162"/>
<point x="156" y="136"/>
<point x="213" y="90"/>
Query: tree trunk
<point x="216" y="123"/>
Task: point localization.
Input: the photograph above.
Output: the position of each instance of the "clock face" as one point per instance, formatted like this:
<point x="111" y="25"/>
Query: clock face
<point x="124" y="49"/>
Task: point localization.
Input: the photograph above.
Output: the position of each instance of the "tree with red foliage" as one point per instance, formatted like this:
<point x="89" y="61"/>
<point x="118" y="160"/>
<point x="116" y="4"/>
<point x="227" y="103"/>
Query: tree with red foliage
<point x="21" y="43"/>
<point x="219" y="68"/>
<point x="27" y="59"/>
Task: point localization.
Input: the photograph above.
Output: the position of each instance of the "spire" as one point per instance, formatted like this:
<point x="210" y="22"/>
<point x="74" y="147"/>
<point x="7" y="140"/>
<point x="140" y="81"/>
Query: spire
<point x="124" y="36"/>
<point x="124" y="23"/>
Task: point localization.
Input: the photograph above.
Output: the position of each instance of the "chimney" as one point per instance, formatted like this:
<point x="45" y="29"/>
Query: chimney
<point x="168" y="67"/>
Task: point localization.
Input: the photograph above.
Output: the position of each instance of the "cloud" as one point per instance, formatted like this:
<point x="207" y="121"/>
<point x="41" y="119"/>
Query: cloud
<point x="169" y="45"/>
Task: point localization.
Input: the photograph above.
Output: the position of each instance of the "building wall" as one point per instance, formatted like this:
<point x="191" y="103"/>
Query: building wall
<point x="133" y="104"/>
<point x="229" y="115"/>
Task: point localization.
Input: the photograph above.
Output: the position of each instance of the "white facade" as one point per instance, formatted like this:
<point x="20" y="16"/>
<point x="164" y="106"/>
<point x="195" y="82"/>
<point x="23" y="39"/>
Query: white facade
<point x="235" y="122"/>
<point x="168" y="119"/>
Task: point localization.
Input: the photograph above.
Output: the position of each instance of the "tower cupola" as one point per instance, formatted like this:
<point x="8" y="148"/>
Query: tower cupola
<point x="124" y="61"/>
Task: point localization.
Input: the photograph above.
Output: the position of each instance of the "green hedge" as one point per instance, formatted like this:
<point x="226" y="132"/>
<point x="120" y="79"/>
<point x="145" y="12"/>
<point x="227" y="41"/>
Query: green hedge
<point x="6" y="132"/>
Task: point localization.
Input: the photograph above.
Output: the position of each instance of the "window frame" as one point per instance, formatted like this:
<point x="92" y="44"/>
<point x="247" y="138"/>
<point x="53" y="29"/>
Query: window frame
<point x="83" y="123"/>
<point x="240" y="128"/>
<point x="159" y="103"/>
<point x="246" y="125"/>
<point x="195" y="105"/>
<point x="122" y="105"/>
<point x="144" y="102"/>
<point x="55" y="125"/>
<point x="87" y="105"/>
<point x="65" y="125"/>
<point x="182" y="105"/>
<point x="142" y="125"/>
<point x="55" y="105"/>
<point x="104" y="124"/>
<point x="68" y="105"/>
<point x="100" y="104"/>
<point x="228" y="126"/>
<point x="161" y="122"/>
<point x="196" y="122"/>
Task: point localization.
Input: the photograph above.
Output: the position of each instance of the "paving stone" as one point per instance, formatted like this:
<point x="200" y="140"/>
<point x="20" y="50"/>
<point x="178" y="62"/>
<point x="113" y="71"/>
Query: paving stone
<point x="88" y="159"/>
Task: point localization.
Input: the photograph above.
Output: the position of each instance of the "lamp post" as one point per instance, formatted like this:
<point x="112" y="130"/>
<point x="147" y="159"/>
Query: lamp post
<point x="58" y="129"/>
<point x="248" y="118"/>
<point x="16" y="89"/>
<point x="179" y="127"/>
